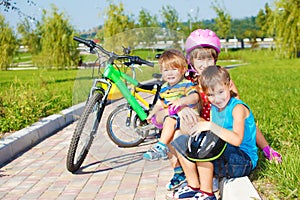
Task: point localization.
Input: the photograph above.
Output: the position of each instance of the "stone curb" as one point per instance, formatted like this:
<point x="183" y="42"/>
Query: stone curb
<point x="25" y="138"/>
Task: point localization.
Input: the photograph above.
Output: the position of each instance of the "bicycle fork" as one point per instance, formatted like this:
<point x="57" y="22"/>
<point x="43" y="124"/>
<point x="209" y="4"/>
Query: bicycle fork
<point x="102" y="103"/>
<point x="128" y="119"/>
<point x="95" y="87"/>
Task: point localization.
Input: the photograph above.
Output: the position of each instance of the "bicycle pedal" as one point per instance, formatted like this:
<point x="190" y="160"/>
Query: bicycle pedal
<point x="145" y="128"/>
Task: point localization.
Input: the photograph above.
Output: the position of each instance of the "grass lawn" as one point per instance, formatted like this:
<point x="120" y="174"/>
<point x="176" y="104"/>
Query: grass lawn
<point x="28" y="95"/>
<point x="268" y="85"/>
<point x="271" y="88"/>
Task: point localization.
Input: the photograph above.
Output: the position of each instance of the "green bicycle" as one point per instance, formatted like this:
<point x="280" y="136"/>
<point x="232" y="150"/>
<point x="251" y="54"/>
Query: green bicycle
<point x="88" y="123"/>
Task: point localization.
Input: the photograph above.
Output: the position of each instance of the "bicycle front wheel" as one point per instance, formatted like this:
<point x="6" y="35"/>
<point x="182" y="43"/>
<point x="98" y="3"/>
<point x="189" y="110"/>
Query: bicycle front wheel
<point x="85" y="132"/>
<point x="121" y="125"/>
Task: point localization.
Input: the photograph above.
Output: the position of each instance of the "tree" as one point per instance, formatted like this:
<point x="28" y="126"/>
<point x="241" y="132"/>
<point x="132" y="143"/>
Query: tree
<point x="10" y="5"/>
<point x="263" y="20"/>
<point x="58" y="50"/>
<point x="145" y="19"/>
<point x="117" y="22"/>
<point x="170" y="16"/>
<point x="148" y="26"/>
<point x="223" y="23"/>
<point x="30" y="37"/>
<point x="193" y="21"/>
<point x="8" y="44"/>
<point x="171" y="20"/>
<point x="286" y="19"/>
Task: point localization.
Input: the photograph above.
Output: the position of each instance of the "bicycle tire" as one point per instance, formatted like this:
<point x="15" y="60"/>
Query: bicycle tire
<point x="83" y="136"/>
<point x="119" y="131"/>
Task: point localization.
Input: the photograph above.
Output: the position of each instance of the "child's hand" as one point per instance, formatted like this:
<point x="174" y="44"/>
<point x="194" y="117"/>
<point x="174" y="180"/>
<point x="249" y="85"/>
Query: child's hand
<point x="174" y="107"/>
<point x="149" y="118"/>
<point x="176" y="103"/>
<point x="201" y="126"/>
<point x="188" y="116"/>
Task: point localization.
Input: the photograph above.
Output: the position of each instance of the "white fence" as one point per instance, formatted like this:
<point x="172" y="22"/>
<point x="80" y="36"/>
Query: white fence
<point x="247" y="43"/>
<point x="230" y="44"/>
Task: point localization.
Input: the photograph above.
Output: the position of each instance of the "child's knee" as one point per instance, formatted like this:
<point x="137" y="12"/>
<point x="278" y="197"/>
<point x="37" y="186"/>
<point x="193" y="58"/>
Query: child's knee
<point x="172" y="121"/>
<point x="155" y="122"/>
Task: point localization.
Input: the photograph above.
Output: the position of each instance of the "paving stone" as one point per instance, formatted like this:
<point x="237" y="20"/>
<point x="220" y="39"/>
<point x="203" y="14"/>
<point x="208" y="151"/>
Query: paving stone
<point x="108" y="172"/>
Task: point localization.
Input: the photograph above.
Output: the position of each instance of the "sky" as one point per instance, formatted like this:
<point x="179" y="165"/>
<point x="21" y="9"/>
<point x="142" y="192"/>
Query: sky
<point x="87" y="14"/>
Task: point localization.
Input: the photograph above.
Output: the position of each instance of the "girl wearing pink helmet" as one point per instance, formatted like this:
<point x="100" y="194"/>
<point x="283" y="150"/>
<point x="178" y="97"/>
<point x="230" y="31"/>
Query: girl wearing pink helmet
<point x="202" y="49"/>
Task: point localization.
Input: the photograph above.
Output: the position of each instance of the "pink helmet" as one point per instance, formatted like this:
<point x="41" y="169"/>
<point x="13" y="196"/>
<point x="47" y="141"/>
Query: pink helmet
<point x="202" y="38"/>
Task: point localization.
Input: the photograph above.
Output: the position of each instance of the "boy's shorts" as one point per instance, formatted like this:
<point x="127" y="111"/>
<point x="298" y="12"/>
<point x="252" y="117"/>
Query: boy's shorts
<point x="232" y="163"/>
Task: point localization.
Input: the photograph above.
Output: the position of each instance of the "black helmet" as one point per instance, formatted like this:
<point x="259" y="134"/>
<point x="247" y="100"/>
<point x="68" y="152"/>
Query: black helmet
<point x="205" y="146"/>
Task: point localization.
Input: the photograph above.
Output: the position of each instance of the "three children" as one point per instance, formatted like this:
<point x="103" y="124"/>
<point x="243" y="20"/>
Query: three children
<point x="202" y="48"/>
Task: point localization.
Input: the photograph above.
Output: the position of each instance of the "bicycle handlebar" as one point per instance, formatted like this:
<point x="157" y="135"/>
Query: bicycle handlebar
<point x="133" y="59"/>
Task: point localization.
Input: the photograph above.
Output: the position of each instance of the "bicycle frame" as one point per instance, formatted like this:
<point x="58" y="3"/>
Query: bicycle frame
<point x="117" y="78"/>
<point x="141" y="99"/>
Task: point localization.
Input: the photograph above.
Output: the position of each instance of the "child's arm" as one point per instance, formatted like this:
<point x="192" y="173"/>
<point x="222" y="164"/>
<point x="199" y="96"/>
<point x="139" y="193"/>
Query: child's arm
<point x="190" y="99"/>
<point x="176" y="105"/>
<point x="234" y="137"/>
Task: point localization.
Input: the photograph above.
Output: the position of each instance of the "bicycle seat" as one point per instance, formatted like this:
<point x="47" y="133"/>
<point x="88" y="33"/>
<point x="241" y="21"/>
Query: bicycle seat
<point x="157" y="76"/>
<point x="151" y="85"/>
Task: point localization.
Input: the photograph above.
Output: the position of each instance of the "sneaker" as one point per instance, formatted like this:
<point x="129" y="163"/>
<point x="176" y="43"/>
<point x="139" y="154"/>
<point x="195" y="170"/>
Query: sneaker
<point x="202" y="196"/>
<point x="271" y="154"/>
<point x="176" y="181"/>
<point x="215" y="184"/>
<point x="156" y="152"/>
<point x="185" y="192"/>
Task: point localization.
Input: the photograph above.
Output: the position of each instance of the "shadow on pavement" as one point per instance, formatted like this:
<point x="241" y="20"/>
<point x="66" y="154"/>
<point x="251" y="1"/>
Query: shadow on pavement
<point x="113" y="163"/>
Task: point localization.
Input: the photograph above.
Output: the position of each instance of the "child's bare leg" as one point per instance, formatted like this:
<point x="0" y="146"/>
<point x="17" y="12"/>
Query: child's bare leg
<point x="190" y="170"/>
<point x="206" y="171"/>
<point x="173" y="157"/>
<point x="178" y="176"/>
<point x="160" y="149"/>
<point x="192" y="177"/>
<point x="166" y="137"/>
<point x="168" y="130"/>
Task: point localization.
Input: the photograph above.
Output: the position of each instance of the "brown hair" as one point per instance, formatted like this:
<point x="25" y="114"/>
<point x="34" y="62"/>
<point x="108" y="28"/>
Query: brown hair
<point x="214" y="75"/>
<point x="171" y="59"/>
<point x="203" y="53"/>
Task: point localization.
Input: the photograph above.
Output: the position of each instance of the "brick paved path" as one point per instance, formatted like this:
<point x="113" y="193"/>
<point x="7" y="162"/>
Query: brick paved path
<point x="107" y="173"/>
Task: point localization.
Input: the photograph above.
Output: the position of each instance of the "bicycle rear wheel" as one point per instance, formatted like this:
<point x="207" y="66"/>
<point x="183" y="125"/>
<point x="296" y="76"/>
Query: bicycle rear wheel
<point x="121" y="125"/>
<point x="85" y="132"/>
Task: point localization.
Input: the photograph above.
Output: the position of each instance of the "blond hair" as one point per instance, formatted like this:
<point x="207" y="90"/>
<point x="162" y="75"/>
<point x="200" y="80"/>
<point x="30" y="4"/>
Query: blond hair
<point x="171" y="59"/>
